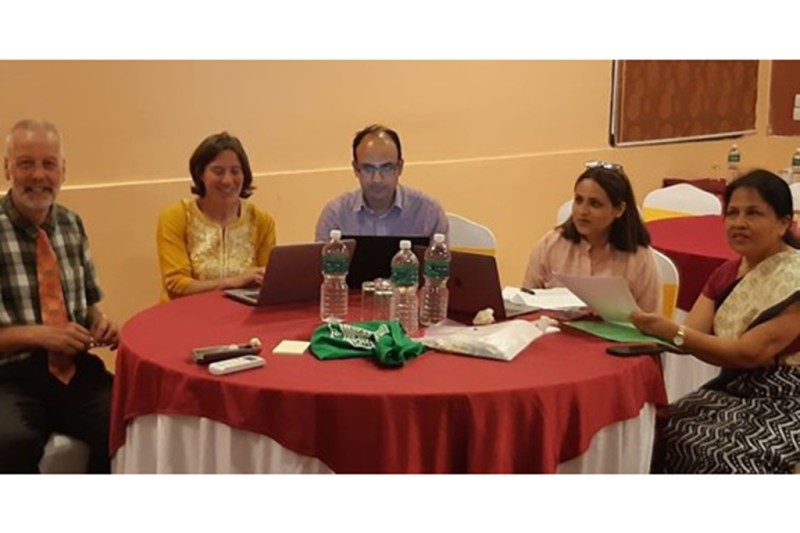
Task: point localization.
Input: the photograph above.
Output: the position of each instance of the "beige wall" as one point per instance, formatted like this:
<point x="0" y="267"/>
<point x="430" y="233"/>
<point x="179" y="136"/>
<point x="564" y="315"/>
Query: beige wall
<point x="498" y="141"/>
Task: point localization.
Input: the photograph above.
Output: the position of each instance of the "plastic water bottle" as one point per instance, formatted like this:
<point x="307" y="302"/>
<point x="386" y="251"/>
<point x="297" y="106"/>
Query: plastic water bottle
<point x="405" y="279"/>
<point x="734" y="158"/>
<point x="434" y="294"/>
<point x="333" y="293"/>
<point x="795" y="175"/>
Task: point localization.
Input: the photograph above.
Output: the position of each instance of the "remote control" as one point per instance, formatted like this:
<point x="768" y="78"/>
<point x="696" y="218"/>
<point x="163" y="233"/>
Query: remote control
<point x="228" y="366"/>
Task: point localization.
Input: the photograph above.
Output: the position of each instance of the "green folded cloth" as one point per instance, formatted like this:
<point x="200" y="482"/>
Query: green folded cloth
<point x="384" y="340"/>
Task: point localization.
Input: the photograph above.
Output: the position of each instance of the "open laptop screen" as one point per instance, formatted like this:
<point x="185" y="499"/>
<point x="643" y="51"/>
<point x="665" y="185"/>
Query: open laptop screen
<point x="373" y="256"/>
<point x="292" y="275"/>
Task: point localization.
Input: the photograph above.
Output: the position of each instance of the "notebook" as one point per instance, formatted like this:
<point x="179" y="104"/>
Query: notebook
<point x="475" y="284"/>
<point x="373" y="254"/>
<point x="292" y="275"/>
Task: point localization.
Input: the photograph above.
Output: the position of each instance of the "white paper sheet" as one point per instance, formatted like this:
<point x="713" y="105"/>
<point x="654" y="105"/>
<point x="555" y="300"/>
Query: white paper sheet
<point x="555" y="299"/>
<point x="608" y="297"/>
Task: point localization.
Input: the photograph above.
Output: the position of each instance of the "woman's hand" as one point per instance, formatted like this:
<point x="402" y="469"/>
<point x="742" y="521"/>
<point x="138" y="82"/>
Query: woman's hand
<point x="654" y="324"/>
<point x="251" y="276"/>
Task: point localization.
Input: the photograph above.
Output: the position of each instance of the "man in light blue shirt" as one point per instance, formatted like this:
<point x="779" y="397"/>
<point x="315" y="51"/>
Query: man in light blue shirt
<point x="381" y="206"/>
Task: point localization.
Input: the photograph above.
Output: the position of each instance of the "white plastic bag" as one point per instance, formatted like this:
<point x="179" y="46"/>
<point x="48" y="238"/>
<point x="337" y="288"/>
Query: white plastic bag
<point x="501" y="341"/>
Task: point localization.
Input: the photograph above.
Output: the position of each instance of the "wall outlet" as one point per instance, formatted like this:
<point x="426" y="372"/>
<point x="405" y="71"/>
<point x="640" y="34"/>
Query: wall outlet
<point x="796" y="114"/>
<point x="797" y="100"/>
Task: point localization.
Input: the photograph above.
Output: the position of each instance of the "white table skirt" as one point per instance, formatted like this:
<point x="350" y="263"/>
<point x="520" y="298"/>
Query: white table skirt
<point x="167" y="444"/>
<point x="682" y="372"/>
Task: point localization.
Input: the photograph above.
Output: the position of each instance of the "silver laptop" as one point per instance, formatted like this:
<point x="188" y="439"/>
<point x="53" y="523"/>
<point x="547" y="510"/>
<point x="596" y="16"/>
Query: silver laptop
<point x="292" y="276"/>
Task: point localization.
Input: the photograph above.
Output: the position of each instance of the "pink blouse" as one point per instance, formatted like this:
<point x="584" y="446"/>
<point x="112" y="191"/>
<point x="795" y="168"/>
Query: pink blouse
<point x="555" y="254"/>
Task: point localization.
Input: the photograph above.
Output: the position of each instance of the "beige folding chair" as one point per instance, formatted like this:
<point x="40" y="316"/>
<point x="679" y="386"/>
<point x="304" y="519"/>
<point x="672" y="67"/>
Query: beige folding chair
<point x="679" y="201"/>
<point x="468" y="236"/>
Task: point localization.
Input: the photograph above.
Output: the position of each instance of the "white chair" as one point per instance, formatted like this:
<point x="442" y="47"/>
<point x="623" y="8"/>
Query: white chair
<point x="682" y="373"/>
<point x="564" y="212"/>
<point x="670" y="280"/>
<point x="64" y="455"/>
<point x="795" y="188"/>
<point x="679" y="200"/>
<point x="468" y="236"/>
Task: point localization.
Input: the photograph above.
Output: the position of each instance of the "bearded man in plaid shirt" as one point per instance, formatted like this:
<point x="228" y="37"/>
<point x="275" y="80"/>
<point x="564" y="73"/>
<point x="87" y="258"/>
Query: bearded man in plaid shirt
<point x="49" y="316"/>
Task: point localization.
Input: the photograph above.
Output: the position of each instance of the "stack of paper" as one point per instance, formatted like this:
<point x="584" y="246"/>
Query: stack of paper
<point x="608" y="297"/>
<point x="555" y="299"/>
<point x="612" y="300"/>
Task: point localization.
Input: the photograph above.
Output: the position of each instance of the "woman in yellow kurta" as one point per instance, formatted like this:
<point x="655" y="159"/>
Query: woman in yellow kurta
<point x="217" y="240"/>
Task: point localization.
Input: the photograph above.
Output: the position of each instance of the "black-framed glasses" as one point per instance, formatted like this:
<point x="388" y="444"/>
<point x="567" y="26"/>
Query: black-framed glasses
<point x="604" y="164"/>
<point x="386" y="170"/>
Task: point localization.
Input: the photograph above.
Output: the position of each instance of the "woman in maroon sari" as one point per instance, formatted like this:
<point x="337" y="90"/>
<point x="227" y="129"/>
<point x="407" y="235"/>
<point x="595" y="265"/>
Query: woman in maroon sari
<point x="747" y="321"/>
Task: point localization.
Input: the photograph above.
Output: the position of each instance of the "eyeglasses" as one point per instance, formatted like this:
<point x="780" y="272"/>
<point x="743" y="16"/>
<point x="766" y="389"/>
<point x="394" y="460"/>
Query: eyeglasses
<point x="386" y="170"/>
<point x="603" y="164"/>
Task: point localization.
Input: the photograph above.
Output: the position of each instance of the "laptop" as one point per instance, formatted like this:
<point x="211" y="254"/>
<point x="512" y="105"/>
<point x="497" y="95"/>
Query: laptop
<point x="373" y="256"/>
<point x="474" y="285"/>
<point x="292" y="276"/>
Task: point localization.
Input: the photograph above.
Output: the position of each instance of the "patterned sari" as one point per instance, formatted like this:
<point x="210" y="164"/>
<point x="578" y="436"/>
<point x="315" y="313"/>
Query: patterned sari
<point x="745" y="421"/>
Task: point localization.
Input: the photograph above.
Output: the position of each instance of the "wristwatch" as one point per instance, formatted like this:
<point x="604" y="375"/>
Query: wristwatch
<point x="680" y="336"/>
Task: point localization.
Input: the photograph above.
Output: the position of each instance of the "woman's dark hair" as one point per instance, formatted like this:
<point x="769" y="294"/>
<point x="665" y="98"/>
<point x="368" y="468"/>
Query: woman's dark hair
<point x="208" y="150"/>
<point x="772" y="190"/>
<point x="628" y="231"/>
<point x="377" y="129"/>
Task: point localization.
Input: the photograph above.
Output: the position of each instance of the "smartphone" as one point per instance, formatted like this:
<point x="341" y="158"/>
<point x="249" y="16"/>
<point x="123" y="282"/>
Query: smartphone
<point x="635" y="348"/>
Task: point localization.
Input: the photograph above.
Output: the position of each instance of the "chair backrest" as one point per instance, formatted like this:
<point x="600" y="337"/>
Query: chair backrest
<point x="564" y="212"/>
<point x="670" y="280"/>
<point x="795" y="188"/>
<point x="468" y="236"/>
<point x="679" y="201"/>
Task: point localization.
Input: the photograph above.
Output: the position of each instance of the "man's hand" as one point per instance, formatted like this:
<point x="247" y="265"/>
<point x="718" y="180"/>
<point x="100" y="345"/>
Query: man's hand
<point x="69" y="339"/>
<point x="104" y="332"/>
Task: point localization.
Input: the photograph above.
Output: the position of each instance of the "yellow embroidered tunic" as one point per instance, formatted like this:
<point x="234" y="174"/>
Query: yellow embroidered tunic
<point x="190" y="246"/>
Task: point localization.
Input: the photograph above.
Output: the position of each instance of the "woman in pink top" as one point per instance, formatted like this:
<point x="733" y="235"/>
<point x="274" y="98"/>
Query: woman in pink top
<point x="605" y="236"/>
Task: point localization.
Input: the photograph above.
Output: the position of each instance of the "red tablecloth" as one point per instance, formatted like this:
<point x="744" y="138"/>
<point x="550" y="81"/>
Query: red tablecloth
<point x="697" y="245"/>
<point x="439" y="413"/>
<point x="715" y="186"/>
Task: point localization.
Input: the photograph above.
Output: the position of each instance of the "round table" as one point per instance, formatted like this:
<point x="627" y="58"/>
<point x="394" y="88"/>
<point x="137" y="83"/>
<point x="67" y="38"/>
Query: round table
<point x="438" y="413"/>
<point x="697" y="245"/>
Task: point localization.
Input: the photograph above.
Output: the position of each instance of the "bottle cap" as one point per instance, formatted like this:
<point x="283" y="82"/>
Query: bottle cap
<point x="438" y="238"/>
<point x="405" y="245"/>
<point x="336" y="234"/>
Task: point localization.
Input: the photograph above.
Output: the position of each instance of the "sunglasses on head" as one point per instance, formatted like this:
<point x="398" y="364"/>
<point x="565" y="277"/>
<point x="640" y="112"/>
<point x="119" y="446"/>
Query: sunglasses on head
<point x="604" y="164"/>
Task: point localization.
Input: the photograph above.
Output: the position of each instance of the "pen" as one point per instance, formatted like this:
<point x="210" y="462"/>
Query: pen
<point x="528" y="291"/>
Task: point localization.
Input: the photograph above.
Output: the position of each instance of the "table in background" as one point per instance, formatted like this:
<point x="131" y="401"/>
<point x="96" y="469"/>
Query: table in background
<point x="697" y="245"/>
<point x="438" y="413"/>
<point x="715" y="186"/>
